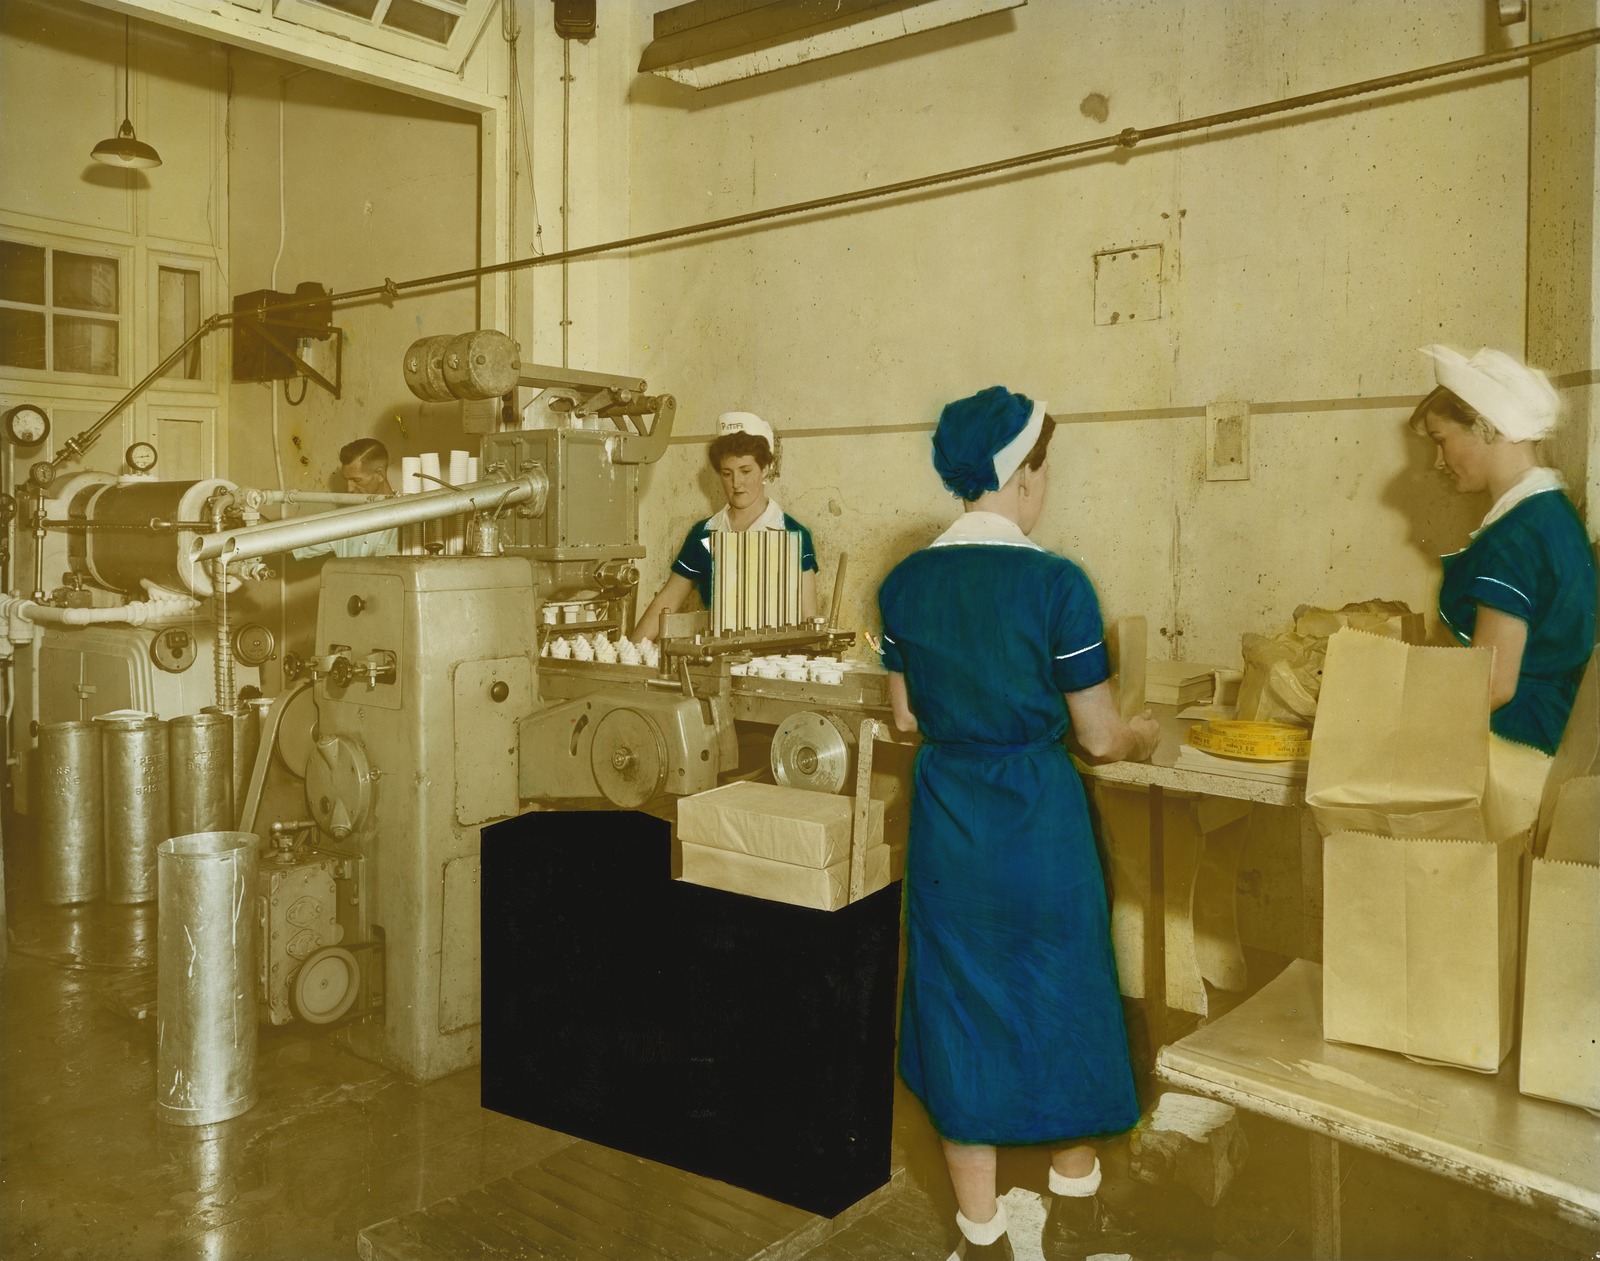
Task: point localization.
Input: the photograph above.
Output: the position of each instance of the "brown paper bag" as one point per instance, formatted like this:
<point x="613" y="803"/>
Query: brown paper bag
<point x="1401" y="742"/>
<point x="1579" y="753"/>
<point x="1561" y="979"/>
<point x="1420" y="945"/>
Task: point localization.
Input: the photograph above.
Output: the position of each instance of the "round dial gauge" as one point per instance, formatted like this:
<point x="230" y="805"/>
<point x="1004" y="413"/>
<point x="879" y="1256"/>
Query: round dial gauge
<point x="27" y="425"/>
<point x="254" y="644"/>
<point x="141" y="457"/>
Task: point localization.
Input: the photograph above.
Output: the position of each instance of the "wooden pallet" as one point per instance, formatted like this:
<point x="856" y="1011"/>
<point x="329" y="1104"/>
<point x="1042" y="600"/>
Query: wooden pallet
<point x="590" y="1203"/>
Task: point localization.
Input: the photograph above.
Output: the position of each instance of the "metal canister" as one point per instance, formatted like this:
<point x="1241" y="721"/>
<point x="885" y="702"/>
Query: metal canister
<point x="206" y="978"/>
<point x="200" y="749"/>
<point x="72" y="843"/>
<point x="135" y="790"/>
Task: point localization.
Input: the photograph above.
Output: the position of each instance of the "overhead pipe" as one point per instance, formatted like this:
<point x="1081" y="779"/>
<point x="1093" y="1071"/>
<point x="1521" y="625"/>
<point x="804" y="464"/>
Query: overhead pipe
<point x="270" y="537"/>
<point x="1127" y="138"/>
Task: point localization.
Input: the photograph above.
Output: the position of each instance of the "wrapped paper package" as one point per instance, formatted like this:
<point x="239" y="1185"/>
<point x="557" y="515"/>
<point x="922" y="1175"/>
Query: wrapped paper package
<point x="785" y="844"/>
<point x="1560" y="1057"/>
<point x="1421" y="896"/>
<point x="1283" y="673"/>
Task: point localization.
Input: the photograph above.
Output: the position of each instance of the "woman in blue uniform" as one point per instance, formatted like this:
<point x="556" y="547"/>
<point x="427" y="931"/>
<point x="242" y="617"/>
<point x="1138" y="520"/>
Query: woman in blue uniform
<point x="1011" y="1020"/>
<point x="1525" y="585"/>
<point x="741" y="454"/>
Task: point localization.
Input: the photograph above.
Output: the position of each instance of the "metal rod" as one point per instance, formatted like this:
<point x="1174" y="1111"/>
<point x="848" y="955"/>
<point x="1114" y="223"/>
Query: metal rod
<point x="154" y="525"/>
<point x="282" y="536"/>
<point x="1127" y="138"/>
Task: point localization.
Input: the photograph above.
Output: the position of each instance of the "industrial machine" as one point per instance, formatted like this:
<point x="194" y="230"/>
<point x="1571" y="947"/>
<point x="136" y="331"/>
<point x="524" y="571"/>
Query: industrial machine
<point x="446" y="691"/>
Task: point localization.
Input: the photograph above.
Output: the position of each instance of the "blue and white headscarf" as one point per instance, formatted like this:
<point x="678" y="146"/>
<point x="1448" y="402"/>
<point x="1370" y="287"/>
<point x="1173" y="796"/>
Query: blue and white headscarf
<point x="982" y="440"/>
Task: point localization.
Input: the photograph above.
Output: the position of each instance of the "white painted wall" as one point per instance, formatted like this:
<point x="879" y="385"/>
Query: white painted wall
<point x="1304" y="260"/>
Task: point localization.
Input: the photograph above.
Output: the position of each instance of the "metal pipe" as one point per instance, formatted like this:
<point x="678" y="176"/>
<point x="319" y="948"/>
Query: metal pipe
<point x="282" y="536"/>
<point x="1124" y="139"/>
<point x="1127" y="138"/>
<point x="310" y="497"/>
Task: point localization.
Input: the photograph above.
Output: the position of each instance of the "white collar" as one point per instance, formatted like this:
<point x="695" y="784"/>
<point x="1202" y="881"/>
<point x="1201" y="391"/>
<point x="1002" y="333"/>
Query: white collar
<point x="1534" y="482"/>
<point x="984" y="527"/>
<point x="771" y="518"/>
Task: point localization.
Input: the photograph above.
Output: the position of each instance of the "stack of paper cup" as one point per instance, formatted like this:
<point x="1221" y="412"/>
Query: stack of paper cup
<point x="428" y="530"/>
<point x="410" y="484"/>
<point x="456" y="527"/>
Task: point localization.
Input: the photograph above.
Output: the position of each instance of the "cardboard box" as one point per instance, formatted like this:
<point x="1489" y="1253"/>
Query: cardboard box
<point x="823" y="888"/>
<point x="787" y="825"/>
<point x="1419" y="942"/>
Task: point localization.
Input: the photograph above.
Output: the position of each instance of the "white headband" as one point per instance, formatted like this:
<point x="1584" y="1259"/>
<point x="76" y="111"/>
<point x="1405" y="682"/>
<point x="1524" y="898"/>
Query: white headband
<point x="1008" y="459"/>
<point x="747" y="422"/>
<point x="1517" y="400"/>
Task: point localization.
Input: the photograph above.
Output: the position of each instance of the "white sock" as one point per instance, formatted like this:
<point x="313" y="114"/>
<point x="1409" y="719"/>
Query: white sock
<point x="1086" y="1185"/>
<point x="983" y="1232"/>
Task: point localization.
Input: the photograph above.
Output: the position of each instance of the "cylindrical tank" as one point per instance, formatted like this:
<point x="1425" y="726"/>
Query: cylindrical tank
<point x="135" y="791"/>
<point x="424" y="368"/>
<point x="481" y="364"/>
<point x="200" y="748"/>
<point x="72" y="846"/>
<point x="206" y="978"/>
<point x="119" y="560"/>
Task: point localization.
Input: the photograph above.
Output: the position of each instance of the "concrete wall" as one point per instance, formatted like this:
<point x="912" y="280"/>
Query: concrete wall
<point x="344" y="184"/>
<point x="1563" y="260"/>
<point x="1303" y="261"/>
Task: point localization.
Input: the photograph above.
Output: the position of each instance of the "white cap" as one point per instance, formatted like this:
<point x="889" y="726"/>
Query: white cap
<point x="1517" y="400"/>
<point x="747" y="422"/>
<point x="1008" y="459"/>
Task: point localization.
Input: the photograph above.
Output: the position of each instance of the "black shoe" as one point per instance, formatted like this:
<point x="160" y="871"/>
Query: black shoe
<point x="999" y="1250"/>
<point x="1078" y="1226"/>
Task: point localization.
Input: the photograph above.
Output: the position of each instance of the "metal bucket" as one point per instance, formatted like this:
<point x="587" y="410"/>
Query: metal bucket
<point x="206" y="978"/>
<point x="135" y="789"/>
<point x="201" y="750"/>
<point x="72" y="841"/>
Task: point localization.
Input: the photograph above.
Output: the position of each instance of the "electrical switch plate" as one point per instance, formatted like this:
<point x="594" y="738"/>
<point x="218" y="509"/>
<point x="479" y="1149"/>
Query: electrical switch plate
<point x="1127" y="285"/>
<point x="1227" y="442"/>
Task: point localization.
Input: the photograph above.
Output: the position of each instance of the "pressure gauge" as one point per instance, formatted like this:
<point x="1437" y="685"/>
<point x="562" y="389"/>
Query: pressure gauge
<point x="27" y="425"/>
<point x="254" y="644"/>
<point x="141" y="457"/>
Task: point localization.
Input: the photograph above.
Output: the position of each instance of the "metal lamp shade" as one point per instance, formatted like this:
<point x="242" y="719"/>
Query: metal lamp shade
<point x="125" y="149"/>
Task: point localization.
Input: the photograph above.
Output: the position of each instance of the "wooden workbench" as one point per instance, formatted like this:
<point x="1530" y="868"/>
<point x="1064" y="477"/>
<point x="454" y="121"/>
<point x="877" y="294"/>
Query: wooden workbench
<point x="1268" y="1056"/>
<point x="1172" y="965"/>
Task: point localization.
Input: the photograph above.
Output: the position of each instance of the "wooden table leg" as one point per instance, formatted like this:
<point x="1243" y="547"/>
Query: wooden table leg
<point x="1325" y="1243"/>
<point x="1155" y="926"/>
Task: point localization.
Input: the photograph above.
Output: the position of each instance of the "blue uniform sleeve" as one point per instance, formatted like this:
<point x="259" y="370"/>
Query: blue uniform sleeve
<point x="1077" y="638"/>
<point x="808" y="552"/>
<point x="694" y="557"/>
<point x="893" y="658"/>
<point x="1511" y="575"/>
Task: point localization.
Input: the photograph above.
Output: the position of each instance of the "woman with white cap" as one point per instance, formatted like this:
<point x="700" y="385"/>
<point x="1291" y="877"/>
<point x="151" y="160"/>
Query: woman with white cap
<point x="1525" y="585"/>
<point x="742" y="453"/>
<point x="1011" y="1027"/>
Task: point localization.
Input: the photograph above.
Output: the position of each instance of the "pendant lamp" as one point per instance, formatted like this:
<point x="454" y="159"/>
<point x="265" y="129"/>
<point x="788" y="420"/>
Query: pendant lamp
<point x="125" y="149"/>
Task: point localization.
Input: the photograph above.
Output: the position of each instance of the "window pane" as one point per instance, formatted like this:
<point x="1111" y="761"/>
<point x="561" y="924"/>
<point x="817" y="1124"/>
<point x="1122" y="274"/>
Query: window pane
<point x="84" y="283"/>
<point x="419" y="19"/>
<point x="84" y="345"/>
<point x="177" y="316"/>
<point x="361" y="8"/>
<point x="22" y="272"/>
<point x="21" y="338"/>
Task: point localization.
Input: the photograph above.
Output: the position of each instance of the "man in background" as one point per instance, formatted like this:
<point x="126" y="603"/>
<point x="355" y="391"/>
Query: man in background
<point x="364" y="465"/>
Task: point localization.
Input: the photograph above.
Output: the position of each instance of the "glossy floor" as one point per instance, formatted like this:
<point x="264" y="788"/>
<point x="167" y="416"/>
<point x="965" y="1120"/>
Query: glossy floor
<point x="336" y="1144"/>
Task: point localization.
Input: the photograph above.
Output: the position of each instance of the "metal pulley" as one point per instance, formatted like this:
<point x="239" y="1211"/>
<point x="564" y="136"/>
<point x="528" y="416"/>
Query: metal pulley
<point x="338" y="785"/>
<point x="325" y="986"/>
<point x="628" y="758"/>
<point x="814" y="751"/>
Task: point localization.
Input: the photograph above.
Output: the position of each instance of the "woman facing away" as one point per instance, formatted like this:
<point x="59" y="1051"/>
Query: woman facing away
<point x="1011" y="1018"/>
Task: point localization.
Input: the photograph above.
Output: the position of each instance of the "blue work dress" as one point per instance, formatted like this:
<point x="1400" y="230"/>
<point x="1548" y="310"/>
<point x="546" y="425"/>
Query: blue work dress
<point x="1011" y="1021"/>
<point x="1535" y="564"/>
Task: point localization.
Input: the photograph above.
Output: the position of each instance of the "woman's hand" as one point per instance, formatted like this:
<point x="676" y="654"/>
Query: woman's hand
<point x="1100" y="733"/>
